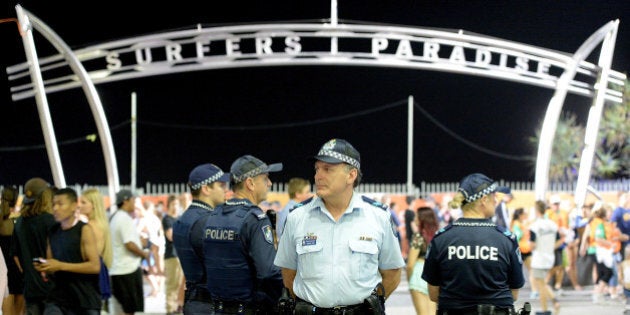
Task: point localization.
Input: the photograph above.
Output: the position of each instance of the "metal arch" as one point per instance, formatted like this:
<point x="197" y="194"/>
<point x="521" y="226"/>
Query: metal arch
<point x="331" y="57"/>
<point x="571" y="64"/>
<point x="594" y="115"/>
<point x="550" y="123"/>
<point x="41" y="100"/>
<point x="90" y="92"/>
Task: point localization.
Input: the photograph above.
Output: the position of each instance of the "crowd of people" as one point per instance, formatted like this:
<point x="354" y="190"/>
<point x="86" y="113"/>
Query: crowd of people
<point x="554" y="239"/>
<point x="224" y="249"/>
<point x="221" y="251"/>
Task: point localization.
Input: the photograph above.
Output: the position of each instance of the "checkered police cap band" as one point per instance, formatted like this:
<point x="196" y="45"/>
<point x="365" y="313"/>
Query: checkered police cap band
<point x="207" y="181"/>
<point x="341" y="157"/>
<point x="470" y="198"/>
<point x="252" y="173"/>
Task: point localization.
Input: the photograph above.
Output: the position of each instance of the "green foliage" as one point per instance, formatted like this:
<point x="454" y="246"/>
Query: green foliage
<point x="612" y="154"/>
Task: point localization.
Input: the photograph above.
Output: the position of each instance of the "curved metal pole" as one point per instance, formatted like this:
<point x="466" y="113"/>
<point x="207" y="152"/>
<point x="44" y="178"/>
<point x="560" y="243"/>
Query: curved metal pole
<point x="550" y="123"/>
<point x="595" y="115"/>
<point x="93" y="99"/>
<point x="41" y="100"/>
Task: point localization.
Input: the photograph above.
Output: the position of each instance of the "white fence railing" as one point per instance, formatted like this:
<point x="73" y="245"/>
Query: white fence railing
<point x="423" y="189"/>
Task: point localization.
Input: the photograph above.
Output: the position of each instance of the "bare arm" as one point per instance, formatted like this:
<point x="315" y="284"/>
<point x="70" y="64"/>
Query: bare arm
<point x="434" y="293"/>
<point x="391" y="279"/>
<point x="514" y="294"/>
<point x="90" y="265"/>
<point x="288" y="276"/>
<point x="132" y="247"/>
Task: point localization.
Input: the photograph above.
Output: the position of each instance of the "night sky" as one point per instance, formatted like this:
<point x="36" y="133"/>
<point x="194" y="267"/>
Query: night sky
<point x="209" y="116"/>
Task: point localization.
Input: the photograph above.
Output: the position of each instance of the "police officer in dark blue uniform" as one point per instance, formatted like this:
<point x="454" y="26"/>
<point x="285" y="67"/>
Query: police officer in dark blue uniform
<point x="239" y="245"/>
<point x="473" y="266"/>
<point x="208" y="185"/>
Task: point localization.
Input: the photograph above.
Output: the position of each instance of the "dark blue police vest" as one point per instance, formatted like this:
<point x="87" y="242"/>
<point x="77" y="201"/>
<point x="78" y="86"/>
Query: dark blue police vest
<point x="191" y="263"/>
<point x="229" y="276"/>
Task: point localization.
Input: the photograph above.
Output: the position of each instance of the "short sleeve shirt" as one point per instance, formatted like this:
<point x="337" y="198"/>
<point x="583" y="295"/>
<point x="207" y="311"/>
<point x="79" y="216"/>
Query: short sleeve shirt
<point x="341" y="256"/>
<point x="123" y="231"/>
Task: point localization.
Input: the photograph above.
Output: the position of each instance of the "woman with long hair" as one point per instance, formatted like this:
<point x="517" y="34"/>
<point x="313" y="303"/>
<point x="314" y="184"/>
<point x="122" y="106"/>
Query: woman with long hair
<point x="91" y="206"/>
<point x="428" y="224"/>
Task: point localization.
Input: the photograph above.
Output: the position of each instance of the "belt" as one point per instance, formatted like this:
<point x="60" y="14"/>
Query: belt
<point x="233" y="307"/>
<point x="198" y="294"/>
<point x="475" y="311"/>
<point x="337" y="310"/>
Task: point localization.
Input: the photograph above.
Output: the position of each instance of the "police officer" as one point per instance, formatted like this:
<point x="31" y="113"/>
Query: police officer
<point x="339" y="246"/>
<point x="238" y="244"/>
<point x="473" y="266"/>
<point x="208" y="185"/>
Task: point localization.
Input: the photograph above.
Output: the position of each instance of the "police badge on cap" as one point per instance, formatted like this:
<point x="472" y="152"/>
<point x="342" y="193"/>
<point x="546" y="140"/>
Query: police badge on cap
<point x="337" y="151"/>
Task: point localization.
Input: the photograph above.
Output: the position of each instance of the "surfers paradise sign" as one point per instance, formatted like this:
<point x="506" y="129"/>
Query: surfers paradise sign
<point x="301" y="44"/>
<point x="315" y="44"/>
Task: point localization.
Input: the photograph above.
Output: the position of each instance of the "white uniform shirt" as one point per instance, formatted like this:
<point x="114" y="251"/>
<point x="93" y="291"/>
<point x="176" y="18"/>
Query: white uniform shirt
<point x="337" y="263"/>
<point x="123" y="230"/>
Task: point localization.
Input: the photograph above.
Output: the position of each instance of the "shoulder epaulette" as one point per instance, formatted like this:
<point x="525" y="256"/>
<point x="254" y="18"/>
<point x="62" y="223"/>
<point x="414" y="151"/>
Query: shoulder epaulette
<point x="442" y="230"/>
<point x="307" y="201"/>
<point x="257" y="212"/>
<point x="506" y="233"/>
<point x="375" y="203"/>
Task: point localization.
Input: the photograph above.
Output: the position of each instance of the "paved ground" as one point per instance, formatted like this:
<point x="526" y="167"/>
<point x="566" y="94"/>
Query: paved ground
<point x="399" y="303"/>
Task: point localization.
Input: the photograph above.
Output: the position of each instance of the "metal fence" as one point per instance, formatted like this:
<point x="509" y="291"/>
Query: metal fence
<point x="420" y="190"/>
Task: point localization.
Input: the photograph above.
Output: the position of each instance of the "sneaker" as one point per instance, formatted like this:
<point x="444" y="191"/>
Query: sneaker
<point x="559" y="292"/>
<point x="533" y="295"/>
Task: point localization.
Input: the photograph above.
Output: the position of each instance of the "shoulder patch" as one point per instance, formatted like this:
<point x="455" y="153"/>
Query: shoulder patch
<point x="375" y="203"/>
<point x="268" y="233"/>
<point x="300" y="204"/>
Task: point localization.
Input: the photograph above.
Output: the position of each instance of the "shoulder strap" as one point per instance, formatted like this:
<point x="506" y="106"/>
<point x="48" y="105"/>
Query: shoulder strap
<point x="113" y="214"/>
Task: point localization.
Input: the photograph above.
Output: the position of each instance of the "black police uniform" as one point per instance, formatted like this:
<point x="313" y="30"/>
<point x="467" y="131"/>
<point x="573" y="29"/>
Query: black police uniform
<point x="190" y="250"/>
<point x="239" y="251"/>
<point x="474" y="262"/>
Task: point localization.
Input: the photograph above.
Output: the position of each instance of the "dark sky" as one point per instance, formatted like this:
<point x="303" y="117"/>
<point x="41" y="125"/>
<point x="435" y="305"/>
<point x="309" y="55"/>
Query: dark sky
<point x="497" y="115"/>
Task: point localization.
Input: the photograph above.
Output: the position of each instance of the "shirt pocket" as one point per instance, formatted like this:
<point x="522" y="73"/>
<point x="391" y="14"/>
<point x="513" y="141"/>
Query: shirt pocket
<point x="364" y="259"/>
<point x="310" y="258"/>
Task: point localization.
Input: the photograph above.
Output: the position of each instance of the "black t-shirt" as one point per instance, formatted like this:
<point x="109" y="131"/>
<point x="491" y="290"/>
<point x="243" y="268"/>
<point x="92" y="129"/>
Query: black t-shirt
<point x="169" y="249"/>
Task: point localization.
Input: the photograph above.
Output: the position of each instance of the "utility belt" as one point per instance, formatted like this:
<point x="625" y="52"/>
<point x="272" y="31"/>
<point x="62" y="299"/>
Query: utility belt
<point x="305" y="308"/>
<point x="482" y="309"/>
<point x="198" y="294"/>
<point x="234" y="307"/>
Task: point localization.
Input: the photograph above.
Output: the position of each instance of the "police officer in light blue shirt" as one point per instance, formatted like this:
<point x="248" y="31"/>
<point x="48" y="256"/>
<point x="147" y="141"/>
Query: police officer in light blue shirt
<point x="338" y="246"/>
<point x="238" y="244"/>
<point x="473" y="266"/>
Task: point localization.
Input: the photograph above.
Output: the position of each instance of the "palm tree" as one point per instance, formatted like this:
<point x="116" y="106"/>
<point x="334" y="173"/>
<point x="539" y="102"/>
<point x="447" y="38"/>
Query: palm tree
<point x="612" y="154"/>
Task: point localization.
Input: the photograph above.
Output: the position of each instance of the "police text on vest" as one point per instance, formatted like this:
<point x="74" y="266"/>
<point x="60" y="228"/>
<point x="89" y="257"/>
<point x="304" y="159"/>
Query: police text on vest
<point x="473" y="252"/>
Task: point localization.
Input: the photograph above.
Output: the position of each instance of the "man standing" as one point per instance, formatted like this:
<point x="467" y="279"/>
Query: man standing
<point x="126" y="274"/>
<point x="340" y="246"/>
<point x="72" y="261"/>
<point x="501" y="213"/>
<point x="239" y="246"/>
<point x="208" y="185"/>
<point x="299" y="190"/>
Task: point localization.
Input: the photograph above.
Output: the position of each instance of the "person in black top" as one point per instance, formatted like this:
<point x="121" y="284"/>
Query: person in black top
<point x="71" y="261"/>
<point x="473" y="266"/>
<point x="174" y="276"/>
<point x="29" y="241"/>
